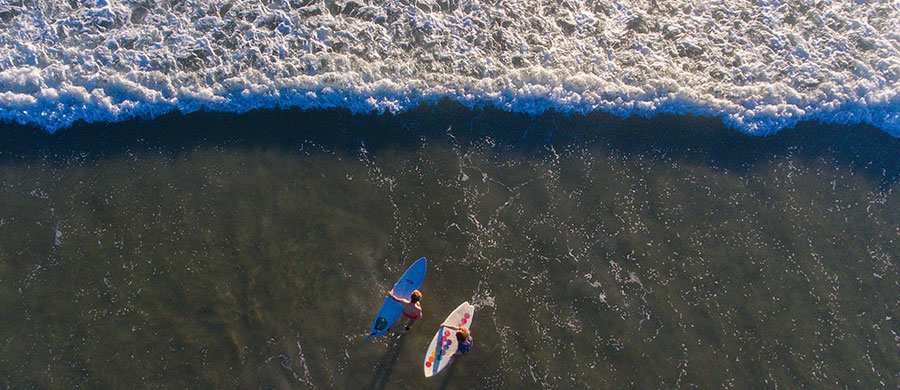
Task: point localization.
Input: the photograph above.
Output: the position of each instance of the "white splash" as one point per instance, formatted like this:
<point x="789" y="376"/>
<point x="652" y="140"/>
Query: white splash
<point x="760" y="66"/>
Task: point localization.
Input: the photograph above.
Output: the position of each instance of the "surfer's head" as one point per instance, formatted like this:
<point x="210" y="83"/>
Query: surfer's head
<point x="462" y="334"/>
<point x="416" y="296"/>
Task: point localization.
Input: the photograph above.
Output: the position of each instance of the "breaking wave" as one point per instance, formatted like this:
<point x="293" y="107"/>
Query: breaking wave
<point x="758" y="65"/>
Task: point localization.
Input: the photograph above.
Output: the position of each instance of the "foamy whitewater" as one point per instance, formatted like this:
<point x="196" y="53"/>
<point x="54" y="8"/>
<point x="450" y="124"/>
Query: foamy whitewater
<point x="759" y="65"/>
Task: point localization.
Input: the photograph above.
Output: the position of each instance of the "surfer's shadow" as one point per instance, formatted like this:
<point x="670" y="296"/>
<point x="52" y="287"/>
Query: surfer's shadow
<point x="448" y="375"/>
<point x="386" y="365"/>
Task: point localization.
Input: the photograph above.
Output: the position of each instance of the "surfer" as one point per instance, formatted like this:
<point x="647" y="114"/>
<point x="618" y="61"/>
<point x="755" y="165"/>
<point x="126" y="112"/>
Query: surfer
<point x="412" y="309"/>
<point x="464" y="338"/>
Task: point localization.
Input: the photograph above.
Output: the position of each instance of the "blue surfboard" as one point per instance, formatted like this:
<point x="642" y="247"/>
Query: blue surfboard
<point x="391" y="309"/>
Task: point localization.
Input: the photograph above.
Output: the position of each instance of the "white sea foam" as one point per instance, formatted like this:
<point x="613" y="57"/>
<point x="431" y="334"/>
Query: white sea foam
<point x="760" y="66"/>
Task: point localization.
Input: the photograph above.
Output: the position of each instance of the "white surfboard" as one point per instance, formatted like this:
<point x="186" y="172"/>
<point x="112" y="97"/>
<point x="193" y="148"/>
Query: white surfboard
<point x="444" y="343"/>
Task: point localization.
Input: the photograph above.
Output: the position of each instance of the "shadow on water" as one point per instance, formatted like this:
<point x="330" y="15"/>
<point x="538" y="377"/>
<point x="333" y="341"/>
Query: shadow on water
<point x="699" y="139"/>
<point x="448" y="375"/>
<point x="386" y="365"/>
<point x="689" y="138"/>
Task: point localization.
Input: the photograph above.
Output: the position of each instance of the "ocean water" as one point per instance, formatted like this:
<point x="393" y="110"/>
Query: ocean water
<point x="199" y="251"/>
<point x="760" y="66"/>
<point x="218" y="194"/>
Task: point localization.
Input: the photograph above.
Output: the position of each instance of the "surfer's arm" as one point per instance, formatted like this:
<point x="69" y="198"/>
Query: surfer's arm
<point x="394" y="297"/>
<point x="450" y="326"/>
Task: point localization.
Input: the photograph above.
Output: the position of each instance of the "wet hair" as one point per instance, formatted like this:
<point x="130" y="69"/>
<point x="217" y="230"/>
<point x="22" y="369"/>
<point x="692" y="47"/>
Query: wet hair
<point x="462" y="334"/>
<point x="416" y="296"/>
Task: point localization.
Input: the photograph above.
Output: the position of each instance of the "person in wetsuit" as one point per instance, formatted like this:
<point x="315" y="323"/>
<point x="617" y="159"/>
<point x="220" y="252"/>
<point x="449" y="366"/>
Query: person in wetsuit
<point x="463" y="337"/>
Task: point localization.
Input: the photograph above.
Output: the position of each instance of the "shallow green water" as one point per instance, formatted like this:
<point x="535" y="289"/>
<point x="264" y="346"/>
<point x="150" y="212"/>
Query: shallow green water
<point x="252" y="251"/>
